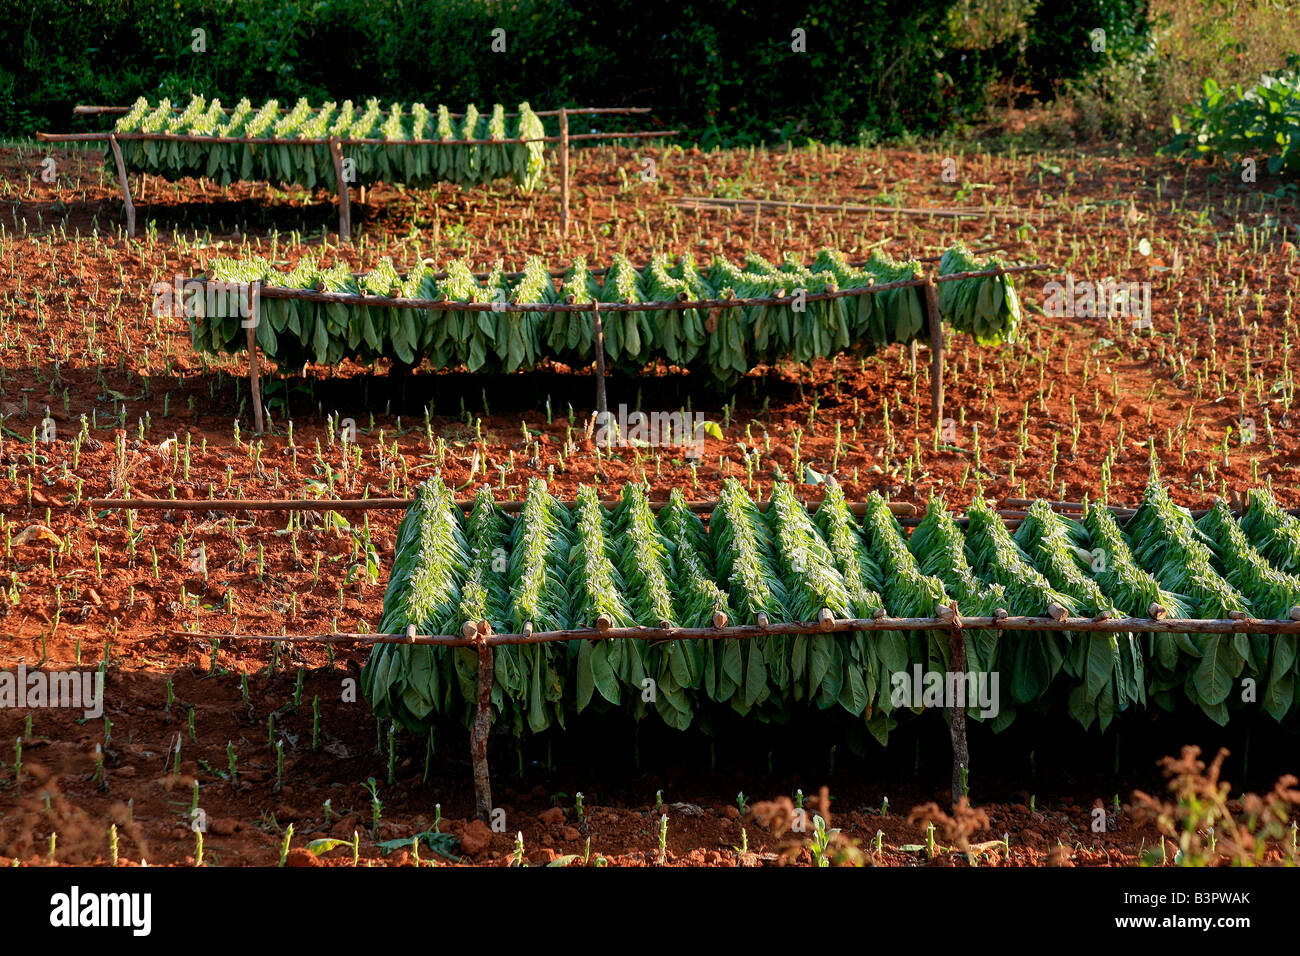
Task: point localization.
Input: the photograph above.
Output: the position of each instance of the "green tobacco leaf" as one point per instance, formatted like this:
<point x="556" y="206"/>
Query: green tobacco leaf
<point x="1218" y="665"/>
<point x="324" y="845"/>
<point x="443" y="844"/>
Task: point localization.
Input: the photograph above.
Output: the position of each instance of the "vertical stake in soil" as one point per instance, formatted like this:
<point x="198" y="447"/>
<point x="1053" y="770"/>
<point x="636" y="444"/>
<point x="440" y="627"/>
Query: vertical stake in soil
<point x="345" y="208"/>
<point x="598" y="328"/>
<point x="254" y="373"/>
<point x="126" y="186"/>
<point x="936" y="351"/>
<point x="564" y="172"/>
<point x="478" y="737"/>
<point x="957" y="710"/>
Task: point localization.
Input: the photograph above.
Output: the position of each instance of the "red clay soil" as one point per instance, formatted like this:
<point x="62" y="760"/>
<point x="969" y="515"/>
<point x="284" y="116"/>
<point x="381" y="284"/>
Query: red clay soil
<point x="1038" y="418"/>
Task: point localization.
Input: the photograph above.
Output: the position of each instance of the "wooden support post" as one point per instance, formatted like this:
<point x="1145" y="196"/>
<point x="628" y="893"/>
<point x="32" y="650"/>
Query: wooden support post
<point x="598" y="327"/>
<point x="345" y="208"/>
<point x="126" y="186"/>
<point x="936" y="351"/>
<point x="957" y="713"/>
<point x="564" y="173"/>
<point x="254" y="373"/>
<point x="478" y="737"/>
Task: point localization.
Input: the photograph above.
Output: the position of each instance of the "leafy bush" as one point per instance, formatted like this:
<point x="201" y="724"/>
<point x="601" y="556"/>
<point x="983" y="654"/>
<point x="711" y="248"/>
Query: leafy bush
<point x="1242" y="124"/>
<point x="722" y="71"/>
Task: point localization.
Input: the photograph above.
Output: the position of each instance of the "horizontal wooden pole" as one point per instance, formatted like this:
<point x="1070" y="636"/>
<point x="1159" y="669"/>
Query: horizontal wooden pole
<point x="378" y="301"/>
<point x="705" y="202"/>
<point x="1076" y="507"/>
<point x="317" y="141"/>
<point x="582" y="111"/>
<point x="901" y="508"/>
<point x="561" y="273"/>
<point x="836" y="625"/>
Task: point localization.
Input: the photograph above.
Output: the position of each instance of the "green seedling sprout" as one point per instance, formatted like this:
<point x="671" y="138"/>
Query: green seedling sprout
<point x="663" y="839"/>
<point x="744" y="843"/>
<point x="284" y="845"/>
<point x="392" y="754"/>
<point x="198" y="846"/>
<point x="112" y="844"/>
<point x="820" y="842"/>
<point x="517" y="854"/>
<point x="376" y="806"/>
<point x="230" y="761"/>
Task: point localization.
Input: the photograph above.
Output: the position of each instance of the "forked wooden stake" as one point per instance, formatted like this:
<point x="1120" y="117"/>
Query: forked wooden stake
<point x="126" y="186"/>
<point x="345" y="208"/>
<point x="254" y="372"/>
<point x="598" y="328"/>
<point x="957" y="713"/>
<point x="478" y="737"/>
<point x="564" y="173"/>
<point x="936" y="352"/>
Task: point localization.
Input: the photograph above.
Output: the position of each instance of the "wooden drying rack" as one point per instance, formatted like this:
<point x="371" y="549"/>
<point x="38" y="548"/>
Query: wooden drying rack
<point x="336" y="144"/>
<point x="479" y="634"/>
<point x="927" y="281"/>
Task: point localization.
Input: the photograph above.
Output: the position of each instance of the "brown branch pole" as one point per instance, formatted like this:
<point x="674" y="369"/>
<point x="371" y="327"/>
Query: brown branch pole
<point x="957" y="706"/>
<point x="902" y="509"/>
<point x="445" y="305"/>
<point x="1119" y="625"/>
<point x="1119" y="510"/>
<point x="698" y="203"/>
<point x="90" y="110"/>
<point x="561" y="273"/>
<point x="345" y="207"/>
<point x="126" y="185"/>
<point x="564" y="174"/>
<point x="936" y="352"/>
<point x="254" y="372"/>
<point x="482" y="722"/>
<point x="598" y="330"/>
